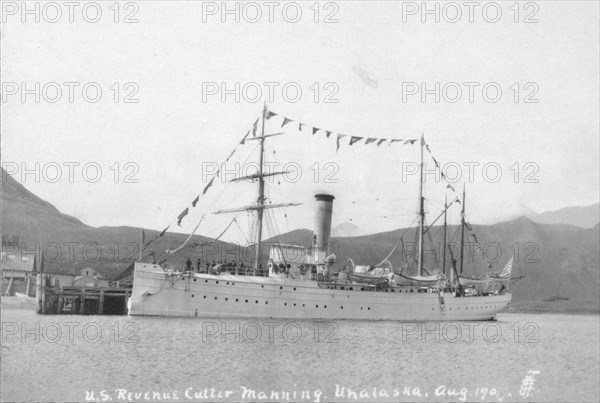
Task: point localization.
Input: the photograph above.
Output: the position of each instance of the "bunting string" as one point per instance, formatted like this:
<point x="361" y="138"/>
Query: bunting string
<point x="442" y="175"/>
<point x="351" y="140"/>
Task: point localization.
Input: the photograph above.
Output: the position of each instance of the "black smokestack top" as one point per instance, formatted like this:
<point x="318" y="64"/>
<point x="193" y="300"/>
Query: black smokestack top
<point x="324" y="197"/>
<point x="323" y="212"/>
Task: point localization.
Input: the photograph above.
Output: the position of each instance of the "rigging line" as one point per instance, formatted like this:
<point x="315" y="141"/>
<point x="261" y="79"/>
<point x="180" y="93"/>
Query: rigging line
<point x="278" y="243"/>
<point x="415" y="243"/>
<point x="217" y="228"/>
<point x="241" y="232"/>
<point x="221" y="234"/>
<point x="395" y="246"/>
<point x="170" y="252"/>
<point x="432" y="244"/>
<point x="271" y="225"/>
<point x="274" y="226"/>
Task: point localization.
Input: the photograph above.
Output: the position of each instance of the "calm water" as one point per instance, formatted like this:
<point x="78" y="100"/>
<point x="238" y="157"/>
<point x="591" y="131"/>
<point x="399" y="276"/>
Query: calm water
<point x="486" y="361"/>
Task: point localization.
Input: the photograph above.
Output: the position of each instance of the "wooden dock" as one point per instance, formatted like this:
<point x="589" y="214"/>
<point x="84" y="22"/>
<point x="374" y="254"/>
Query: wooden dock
<point x="57" y="300"/>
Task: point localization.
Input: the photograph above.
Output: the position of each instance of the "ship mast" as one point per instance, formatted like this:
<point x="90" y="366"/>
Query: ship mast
<point x="260" y="205"/>
<point x="462" y="231"/>
<point x="421" y="212"/>
<point x="261" y="191"/>
<point x="444" y="243"/>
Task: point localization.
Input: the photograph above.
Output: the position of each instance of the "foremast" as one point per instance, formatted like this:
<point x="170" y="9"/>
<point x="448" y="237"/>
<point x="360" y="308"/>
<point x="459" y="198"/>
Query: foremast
<point x="421" y="212"/>
<point x="261" y="192"/>
<point x="462" y="231"/>
<point x="260" y="205"/>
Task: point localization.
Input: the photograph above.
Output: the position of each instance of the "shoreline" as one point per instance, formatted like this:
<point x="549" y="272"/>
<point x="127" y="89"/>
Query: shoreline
<point x="561" y="307"/>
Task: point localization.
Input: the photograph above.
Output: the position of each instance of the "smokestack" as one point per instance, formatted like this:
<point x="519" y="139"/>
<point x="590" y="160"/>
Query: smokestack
<point x="322" y="230"/>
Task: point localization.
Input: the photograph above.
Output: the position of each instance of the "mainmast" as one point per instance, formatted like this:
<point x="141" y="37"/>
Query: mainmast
<point x="462" y="231"/>
<point x="444" y="242"/>
<point x="261" y="191"/>
<point x="421" y="212"/>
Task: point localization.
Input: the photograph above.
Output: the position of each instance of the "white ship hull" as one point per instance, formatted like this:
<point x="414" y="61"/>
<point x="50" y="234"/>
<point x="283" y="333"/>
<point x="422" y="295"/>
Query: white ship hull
<point x="156" y="293"/>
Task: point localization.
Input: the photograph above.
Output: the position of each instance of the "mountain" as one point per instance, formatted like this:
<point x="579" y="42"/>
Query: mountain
<point x="67" y="243"/>
<point x="580" y="216"/>
<point x="345" y="229"/>
<point x="25" y="214"/>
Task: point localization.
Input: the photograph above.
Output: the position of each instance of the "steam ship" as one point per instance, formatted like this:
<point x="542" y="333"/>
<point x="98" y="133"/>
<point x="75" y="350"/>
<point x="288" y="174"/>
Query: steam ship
<point x="298" y="282"/>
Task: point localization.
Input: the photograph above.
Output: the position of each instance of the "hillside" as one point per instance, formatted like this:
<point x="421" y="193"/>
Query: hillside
<point x="38" y="225"/>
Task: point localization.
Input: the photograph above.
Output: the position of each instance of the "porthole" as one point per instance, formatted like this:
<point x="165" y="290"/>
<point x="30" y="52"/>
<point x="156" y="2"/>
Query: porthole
<point x="215" y="297"/>
<point x="316" y="306"/>
<point x="246" y="301"/>
<point x="256" y="302"/>
<point x="285" y="303"/>
<point x="262" y="286"/>
<point x="369" y="308"/>
<point x="266" y="302"/>
<point x="194" y="280"/>
<point x="192" y="295"/>
<point x="236" y="300"/>
<point x="217" y="282"/>
<point x="325" y="307"/>
<point x="341" y="307"/>
<point x="294" y="304"/>
<point x="294" y="288"/>
<point x="206" y="281"/>
<point x="205" y="297"/>
<point x="226" y="299"/>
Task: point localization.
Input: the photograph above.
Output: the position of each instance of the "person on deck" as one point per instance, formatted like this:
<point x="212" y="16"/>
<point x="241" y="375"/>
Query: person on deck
<point x="188" y="264"/>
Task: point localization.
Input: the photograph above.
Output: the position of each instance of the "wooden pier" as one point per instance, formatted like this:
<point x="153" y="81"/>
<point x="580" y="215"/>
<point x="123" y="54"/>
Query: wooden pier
<point x="62" y="300"/>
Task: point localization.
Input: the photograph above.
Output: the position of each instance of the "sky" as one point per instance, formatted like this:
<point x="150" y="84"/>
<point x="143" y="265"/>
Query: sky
<point x="373" y="69"/>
